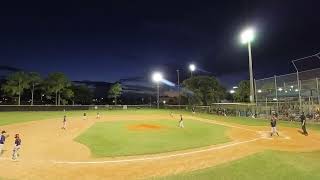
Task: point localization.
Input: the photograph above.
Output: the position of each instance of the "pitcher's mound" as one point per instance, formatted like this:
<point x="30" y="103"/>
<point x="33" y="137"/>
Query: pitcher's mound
<point x="142" y="127"/>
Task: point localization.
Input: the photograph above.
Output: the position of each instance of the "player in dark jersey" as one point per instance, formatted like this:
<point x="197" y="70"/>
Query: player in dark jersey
<point x="84" y="116"/>
<point x="16" y="147"/>
<point x="274" y="124"/>
<point x="3" y="137"/>
<point x="303" y="124"/>
<point x="181" y="122"/>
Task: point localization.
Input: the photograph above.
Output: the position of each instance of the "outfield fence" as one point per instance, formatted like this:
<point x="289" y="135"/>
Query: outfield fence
<point x="69" y="107"/>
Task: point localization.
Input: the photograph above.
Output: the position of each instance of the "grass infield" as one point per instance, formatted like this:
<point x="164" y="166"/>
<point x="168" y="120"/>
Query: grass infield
<point x="124" y="138"/>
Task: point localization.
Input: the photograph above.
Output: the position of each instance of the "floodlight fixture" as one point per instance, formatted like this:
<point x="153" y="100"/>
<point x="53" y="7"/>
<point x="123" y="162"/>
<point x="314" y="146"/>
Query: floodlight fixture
<point x="247" y="35"/>
<point x="157" y="77"/>
<point x="192" y="67"/>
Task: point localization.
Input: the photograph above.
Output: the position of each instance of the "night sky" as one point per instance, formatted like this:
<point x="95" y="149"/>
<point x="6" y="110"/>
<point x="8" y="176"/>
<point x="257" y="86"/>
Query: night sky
<point x="113" y="40"/>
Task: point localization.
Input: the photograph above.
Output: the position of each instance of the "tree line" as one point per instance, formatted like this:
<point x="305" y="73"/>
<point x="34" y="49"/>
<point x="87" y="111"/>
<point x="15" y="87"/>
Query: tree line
<point x="204" y="90"/>
<point x="57" y="89"/>
<point x="55" y="86"/>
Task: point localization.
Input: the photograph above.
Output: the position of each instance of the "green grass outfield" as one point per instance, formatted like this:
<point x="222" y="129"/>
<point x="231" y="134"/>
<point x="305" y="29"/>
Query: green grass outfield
<point x="107" y="139"/>
<point x="269" y="165"/>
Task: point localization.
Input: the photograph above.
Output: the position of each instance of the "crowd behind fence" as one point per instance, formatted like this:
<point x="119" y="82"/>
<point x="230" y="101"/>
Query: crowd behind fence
<point x="289" y="94"/>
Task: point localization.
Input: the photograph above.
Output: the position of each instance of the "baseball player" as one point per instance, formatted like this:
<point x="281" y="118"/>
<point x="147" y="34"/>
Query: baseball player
<point x="181" y="122"/>
<point x="84" y="116"/>
<point x="98" y="115"/>
<point x="2" y="141"/>
<point x="16" y="147"/>
<point x="274" y="124"/>
<point x="193" y="110"/>
<point x="64" y="122"/>
<point x="303" y="124"/>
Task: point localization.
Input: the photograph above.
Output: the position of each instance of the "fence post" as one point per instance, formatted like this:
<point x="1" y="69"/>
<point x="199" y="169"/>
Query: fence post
<point x="266" y="105"/>
<point x="276" y="88"/>
<point x="318" y="91"/>
<point x="255" y="92"/>
<point x="299" y="90"/>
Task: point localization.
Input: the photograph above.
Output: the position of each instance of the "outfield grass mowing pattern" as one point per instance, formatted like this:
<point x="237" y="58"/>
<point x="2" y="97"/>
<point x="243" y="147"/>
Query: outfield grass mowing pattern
<point x="115" y="139"/>
<point x="269" y="165"/>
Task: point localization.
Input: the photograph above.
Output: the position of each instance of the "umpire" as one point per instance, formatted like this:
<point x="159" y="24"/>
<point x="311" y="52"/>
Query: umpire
<point x="303" y="124"/>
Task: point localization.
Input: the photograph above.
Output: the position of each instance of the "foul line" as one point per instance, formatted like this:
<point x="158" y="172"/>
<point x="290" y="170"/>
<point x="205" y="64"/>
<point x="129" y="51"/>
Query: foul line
<point x="157" y="157"/>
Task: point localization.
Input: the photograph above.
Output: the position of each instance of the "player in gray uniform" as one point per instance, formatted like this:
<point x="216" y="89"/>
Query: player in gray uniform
<point x="303" y="124"/>
<point x="274" y="125"/>
<point x="16" y="147"/>
<point x="64" y="122"/>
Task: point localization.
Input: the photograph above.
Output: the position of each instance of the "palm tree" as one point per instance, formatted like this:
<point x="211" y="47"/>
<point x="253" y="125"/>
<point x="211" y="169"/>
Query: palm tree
<point x="34" y="80"/>
<point x="16" y="84"/>
<point x="55" y="83"/>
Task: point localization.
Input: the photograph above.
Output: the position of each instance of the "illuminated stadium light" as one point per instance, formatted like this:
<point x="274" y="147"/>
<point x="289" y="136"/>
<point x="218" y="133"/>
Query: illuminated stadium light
<point x="232" y="91"/>
<point x="280" y="89"/>
<point x="285" y="91"/>
<point x="275" y="99"/>
<point x="291" y="87"/>
<point x="164" y="102"/>
<point x="235" y="87"/>
<point x="247" y="35"/>
<point x="296" y="90"/>
<point x="259" y="91"/>
<point x="157" y="77"/>
<point x="192" y="67"/>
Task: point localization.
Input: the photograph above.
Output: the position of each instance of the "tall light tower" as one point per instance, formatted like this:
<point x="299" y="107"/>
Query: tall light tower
<point x="179" y="95"/>
<point x="192" y="68"/>
<point x="157" y="77"/>
<point x="247" y="36"/>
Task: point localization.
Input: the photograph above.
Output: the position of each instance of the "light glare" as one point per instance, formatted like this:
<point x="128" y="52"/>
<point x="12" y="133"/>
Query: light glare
<point x="192" y="67"/>
<point x="247" y="36"/>
<point x="156" y="77"/>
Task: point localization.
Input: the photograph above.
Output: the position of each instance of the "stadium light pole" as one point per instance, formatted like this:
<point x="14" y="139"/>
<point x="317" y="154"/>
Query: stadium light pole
<point x="157" y="77"/>
<point x="247" y="36"/>
<point x="179" y="96"/>
<point x="192" y="68"/>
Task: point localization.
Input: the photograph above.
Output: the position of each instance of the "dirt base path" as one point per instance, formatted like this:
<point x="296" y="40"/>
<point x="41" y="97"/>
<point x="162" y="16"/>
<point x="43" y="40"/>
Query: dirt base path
<point x="49" y="152"/>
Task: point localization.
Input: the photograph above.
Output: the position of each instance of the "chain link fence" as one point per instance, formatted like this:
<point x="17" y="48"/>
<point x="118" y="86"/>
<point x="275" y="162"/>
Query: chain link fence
<point x="290" y="95"/>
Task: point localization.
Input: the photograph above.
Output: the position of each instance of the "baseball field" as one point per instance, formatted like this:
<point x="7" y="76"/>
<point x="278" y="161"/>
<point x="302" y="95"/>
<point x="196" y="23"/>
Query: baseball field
<point x="149" y="144"/>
